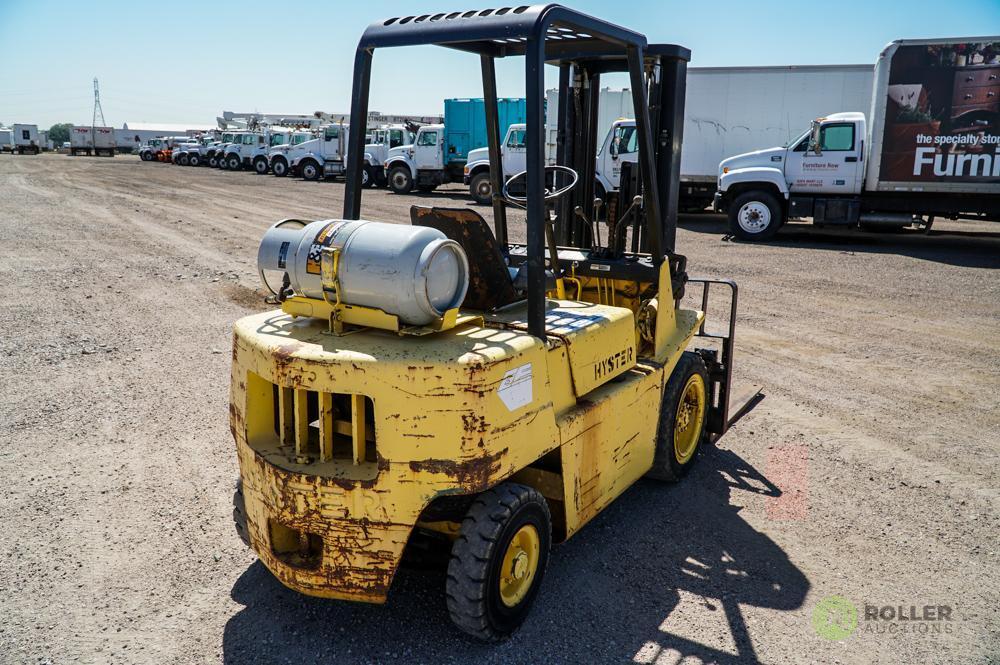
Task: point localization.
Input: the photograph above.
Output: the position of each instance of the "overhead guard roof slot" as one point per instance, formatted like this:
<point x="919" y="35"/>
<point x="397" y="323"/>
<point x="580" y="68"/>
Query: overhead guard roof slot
<point x="503" y="32"/>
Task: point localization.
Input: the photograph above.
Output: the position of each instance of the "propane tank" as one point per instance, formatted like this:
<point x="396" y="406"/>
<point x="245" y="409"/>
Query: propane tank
<point x="413" y="272"/>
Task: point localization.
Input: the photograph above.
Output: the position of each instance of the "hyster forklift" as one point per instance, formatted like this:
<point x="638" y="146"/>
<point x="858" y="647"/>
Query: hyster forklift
<point x="437" y="382"/>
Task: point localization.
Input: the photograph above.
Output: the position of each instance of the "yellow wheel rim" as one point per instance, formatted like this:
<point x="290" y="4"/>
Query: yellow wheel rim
<point x="689" y="419"/>
<point x="520" y="563"/>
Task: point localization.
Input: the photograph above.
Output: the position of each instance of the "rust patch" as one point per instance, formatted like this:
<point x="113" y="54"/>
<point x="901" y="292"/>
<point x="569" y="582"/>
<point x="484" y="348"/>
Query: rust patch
<point x="473" y="475"/>
<point x="472" y="422"/>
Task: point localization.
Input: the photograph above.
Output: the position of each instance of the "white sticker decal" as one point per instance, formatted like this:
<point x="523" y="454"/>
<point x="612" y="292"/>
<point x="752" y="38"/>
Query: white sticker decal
<point x="515" y="387"/>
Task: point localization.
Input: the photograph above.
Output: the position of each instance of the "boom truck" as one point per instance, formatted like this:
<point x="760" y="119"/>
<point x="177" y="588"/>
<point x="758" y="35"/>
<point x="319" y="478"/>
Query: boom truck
<point x="438" y="384"/>
<point x="321" y="157"/>
<point x="930" y="147"/>
<point x="439" y="152"/>
<point x="377" y="146"/>
<point x="277" y="152"/>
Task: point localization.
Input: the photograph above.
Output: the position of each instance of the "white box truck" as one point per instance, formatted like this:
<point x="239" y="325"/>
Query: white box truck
<point x="26" y="140"/>
<point x="728" y="110"/>
<point x="6" y="139"/>
<point x="929" y="147"/>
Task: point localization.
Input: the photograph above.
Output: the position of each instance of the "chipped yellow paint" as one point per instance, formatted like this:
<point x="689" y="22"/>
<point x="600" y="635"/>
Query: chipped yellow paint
<point x="454" y="411"/>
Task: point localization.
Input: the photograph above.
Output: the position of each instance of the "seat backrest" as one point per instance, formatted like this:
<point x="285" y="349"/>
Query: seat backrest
<point x="490" y="285"/>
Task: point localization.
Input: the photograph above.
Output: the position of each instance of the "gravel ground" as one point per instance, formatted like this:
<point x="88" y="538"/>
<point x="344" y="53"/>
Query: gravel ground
<point x="869" y="471"/>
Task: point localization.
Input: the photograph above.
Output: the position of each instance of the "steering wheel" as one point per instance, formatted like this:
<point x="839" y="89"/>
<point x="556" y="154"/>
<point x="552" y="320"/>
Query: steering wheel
<point x="549" y="195"/>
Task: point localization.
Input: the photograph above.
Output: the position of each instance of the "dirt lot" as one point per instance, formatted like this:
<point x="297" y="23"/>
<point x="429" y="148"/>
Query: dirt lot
<point x="869" y="471"/>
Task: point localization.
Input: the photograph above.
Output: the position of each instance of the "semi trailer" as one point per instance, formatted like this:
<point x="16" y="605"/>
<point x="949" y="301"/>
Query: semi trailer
<point x="26" y="139"/>
<point x="927" y="148"/>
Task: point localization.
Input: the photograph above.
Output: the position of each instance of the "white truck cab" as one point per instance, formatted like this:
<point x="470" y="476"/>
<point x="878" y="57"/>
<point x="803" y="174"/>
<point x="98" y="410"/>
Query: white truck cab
<point x="322" y="157"/>
<point x="377" y="147"/>
<point x="280" y="144"/>
<point x="760" y="189"/>
<point x="477" y="169"/>
<point x="421" y="163"/>
<point x="241" y="154"/>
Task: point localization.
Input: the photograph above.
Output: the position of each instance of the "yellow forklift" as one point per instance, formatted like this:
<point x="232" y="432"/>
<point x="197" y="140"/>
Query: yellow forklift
<point x="435" y="380"/>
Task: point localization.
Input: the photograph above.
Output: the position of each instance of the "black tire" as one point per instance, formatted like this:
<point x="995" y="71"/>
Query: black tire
<point x="213" y="161"/>
<point x="194" y="160"/>
<point x="481" y="188"/>
<point x="280" y="167"/>
<point x="400" y="180"/>
<point x="184" y="160"/>
<point x="233" y="162"/>
<point x="755" y="216"/>
<point x="667" y="464"/>
<point x="310" y="170"/>
<point x="240" y="514"/>
<point x="367" y="177"/>
<point x="260" y="165"/>
<point x="473" y="586"/>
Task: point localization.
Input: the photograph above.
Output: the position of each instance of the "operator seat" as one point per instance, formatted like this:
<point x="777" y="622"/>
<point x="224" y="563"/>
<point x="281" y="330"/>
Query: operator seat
<point x="490" y="285"/>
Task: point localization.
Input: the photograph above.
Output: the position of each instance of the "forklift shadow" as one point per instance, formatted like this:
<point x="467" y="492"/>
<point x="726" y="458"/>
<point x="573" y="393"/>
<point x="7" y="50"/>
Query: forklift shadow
<point x="614" y="593"/>
<point x="968" y="249"/>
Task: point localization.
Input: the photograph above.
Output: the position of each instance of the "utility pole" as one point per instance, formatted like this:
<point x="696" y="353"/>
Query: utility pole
<point x="98" y="111"/>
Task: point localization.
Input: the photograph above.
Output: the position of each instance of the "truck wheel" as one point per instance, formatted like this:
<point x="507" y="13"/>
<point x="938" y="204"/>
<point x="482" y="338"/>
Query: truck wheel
<point x="498" y="561"/>
<point x="683" y="411"/>
<point x="280" y="167"/>
<point x="240" y="514"/>
<point x="481" y="188"/>
<point x="367" y="177"/>
<point x="233" y="162"/>
<point x="194" y="160"/>
<point x="184" y="160"/>
<point x="400" y="180"/>
<point x="755" y="216"/>
<point x="260" y="165"/>
<point x="213" y="161"/>
<point x="310" y="170"/>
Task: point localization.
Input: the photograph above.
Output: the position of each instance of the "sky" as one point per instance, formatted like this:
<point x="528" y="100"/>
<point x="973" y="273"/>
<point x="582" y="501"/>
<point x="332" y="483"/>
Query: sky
<point x="186" y="61"/>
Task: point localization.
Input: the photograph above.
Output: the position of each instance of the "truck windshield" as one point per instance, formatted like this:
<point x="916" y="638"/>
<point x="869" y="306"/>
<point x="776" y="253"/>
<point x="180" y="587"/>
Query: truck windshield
<point x="248" y="139"/>
<point x="331" y="132"/>
<point x="395" y="138"/>
<point x="796" y="140"/>
<point x="227" y="138"/>
<point x="428" y="138"/>
<point x="516" y="138"/>
<point x="278" y="139"/>
<point x="299" y="138"/>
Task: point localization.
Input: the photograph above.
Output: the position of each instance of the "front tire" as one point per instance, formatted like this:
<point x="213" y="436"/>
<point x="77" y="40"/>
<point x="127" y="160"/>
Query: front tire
<point x="481" y="188"/>
<point x="498" y="561"/>
<point x="755" y="216"/>
<point x="213" y="162"/>
<point x="260" y="165"/>
<point x="184" y="160"/>
<point x="280" y="167"/>
<point x="194" y="160"/>
<point x="233" y="163"/>
<point x="367" y="177"/>
<point x="683" y="413"/>
<point x="400" y="180"/>
<point x="310" y="170"/>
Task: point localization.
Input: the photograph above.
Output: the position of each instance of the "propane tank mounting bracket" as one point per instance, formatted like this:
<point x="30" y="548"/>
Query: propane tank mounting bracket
<point x="340" y="314"/>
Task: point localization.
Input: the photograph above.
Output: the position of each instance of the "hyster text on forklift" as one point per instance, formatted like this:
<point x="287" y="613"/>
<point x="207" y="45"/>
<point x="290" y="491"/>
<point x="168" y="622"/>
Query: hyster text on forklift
<point x="434" y="382"/>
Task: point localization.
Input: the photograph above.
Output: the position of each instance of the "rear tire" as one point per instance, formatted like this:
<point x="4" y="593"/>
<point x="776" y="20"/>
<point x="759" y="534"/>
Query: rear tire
<point x="183" y="160"/>
<point x="194" y="160"/>
<point x="498" y="561"/>
<point x="755" y="216"/>
<point x="310" y="170"/>
<point x="481" y="188"/>
<point x="240" y="514"/>
<point x="213" y="161"/>
<point x="280" y="167"/>
<point x="400" y="180"/>
<point x="233" y="162"/>
<point x="260" y="165"/>
<point x="683" y="414"/>
<point x="367" y="177"/>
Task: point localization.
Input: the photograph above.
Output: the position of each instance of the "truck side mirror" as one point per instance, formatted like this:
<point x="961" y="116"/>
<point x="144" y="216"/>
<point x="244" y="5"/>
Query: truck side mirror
<point x="613" y="148"/>
<point x="814" y="138"/>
